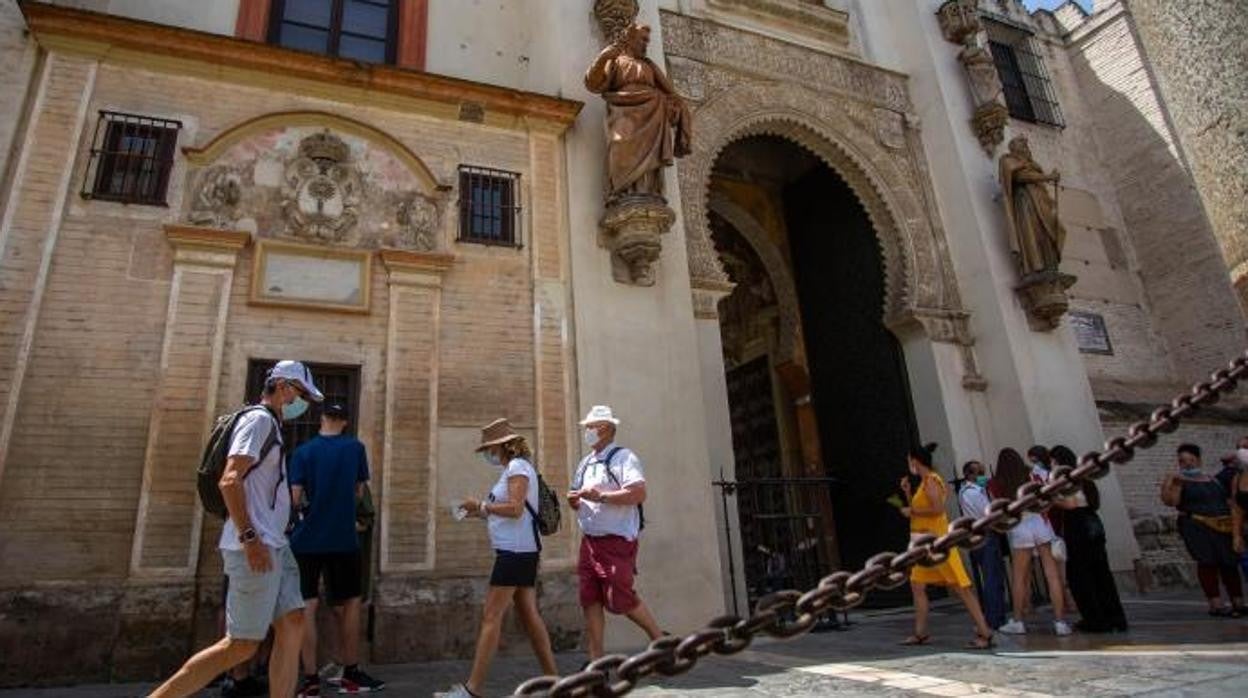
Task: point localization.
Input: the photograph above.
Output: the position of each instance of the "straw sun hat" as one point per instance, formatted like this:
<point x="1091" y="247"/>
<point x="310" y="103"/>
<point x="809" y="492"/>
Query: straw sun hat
<point x="495" y="433"/>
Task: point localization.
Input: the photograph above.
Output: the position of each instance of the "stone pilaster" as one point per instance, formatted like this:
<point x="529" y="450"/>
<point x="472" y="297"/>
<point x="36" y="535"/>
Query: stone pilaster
<point x="1196" y="49"/>
<point x="409" y="475"/>
<point x="166" y="537"/>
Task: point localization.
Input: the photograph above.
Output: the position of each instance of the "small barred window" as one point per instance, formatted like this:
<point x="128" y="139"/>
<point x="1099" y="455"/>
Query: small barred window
<point x="131" y="158"/>
<point x="489" y="207"/>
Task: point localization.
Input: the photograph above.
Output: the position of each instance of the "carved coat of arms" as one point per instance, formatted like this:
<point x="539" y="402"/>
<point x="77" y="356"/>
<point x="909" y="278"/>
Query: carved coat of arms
<point x="321" y="189"/>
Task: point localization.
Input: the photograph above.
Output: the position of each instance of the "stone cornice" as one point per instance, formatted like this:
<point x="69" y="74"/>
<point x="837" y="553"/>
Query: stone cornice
<point x="406" y="260"/>
<point x="110" y="36"/>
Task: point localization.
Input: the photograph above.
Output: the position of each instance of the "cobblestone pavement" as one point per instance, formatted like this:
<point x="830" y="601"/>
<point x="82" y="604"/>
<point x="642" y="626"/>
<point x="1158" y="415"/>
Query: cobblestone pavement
<point x="1172" y="649"/>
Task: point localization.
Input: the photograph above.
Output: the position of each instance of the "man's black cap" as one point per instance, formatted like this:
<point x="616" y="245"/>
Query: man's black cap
<point x="337" y="410"/>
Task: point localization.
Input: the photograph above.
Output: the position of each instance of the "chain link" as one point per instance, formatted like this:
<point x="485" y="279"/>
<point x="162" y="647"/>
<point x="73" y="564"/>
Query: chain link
<point x="789" y="613"/>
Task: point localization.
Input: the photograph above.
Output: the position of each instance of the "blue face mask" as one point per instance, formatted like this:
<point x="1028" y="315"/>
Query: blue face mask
<point x="294" y="409"/>
<point x="982" y="481"/>
<point x="1191" y="473"/>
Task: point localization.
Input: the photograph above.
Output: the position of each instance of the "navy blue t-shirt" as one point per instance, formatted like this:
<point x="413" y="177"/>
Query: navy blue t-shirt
<point x="328" y="468"/>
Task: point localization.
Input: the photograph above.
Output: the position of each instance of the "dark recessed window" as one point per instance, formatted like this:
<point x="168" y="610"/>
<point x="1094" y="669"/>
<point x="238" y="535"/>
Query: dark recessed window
<point x="339" y="383"/>
<point x="362" y="30"/>
<point x="131" y="157"/>
<point x="1029" y="92"/>
<point x="489" y="211"/>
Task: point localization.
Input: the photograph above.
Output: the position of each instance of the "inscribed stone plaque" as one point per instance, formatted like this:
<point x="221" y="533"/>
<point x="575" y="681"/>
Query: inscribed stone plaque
<point x="1091" y="336"/>
<point x="311" y="276"/>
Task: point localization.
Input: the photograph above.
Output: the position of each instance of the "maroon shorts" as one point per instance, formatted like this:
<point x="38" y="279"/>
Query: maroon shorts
<point x="605" y="570"/>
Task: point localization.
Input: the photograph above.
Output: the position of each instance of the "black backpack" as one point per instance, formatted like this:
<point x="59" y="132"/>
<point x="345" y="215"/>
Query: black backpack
<point x="216" y="452"/>
<point x="547" y="517"/>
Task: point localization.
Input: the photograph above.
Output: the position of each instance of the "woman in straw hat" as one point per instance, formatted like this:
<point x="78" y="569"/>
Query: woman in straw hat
<point x="509" y="509"/>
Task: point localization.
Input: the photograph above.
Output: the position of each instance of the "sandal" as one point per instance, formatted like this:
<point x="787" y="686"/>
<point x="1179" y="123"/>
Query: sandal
<point x="981" y="642"/>
<point x="914" y="640"/>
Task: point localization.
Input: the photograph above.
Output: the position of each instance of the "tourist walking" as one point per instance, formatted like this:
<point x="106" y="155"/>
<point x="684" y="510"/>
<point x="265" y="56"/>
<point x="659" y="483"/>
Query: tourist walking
<point x="1205" y="524"/>
<point x="327" y="474"/>
<point x="926" y="511"/>
<point x="607" y="493"/>
<point x="987" y="563"/>
<point x="264" y="577"/>
<point x="1239" y="514"/>
<point x="1032" y="536"/>
<point x="1087" y="562"/>
<point x="510" y="510"/>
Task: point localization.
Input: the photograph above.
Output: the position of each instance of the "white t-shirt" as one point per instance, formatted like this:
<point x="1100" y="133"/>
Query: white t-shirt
<point x="973" y="500"/>
<point x="266" y="489"/>
<point x="514" y="535"/>
<point x="597" y="518"/>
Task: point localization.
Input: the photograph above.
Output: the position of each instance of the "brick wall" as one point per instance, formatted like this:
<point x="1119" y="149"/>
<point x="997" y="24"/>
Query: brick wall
<point x="17" y="59"/>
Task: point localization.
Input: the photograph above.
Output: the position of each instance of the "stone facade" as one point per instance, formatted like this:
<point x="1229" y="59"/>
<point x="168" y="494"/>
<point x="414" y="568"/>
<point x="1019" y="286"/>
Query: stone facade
<point x="124" y="329"/>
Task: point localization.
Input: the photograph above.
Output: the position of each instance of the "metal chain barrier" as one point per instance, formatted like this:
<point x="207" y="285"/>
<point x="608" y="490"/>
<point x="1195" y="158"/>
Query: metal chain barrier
<point x="790" y="613"/>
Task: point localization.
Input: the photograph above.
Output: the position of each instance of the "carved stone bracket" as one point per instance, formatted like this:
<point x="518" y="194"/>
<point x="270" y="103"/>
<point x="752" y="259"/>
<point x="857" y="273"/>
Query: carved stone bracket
<point x="706" y="297"/>
<point x="954" y="327"/>
<point x="1043" y="295"/>
<point x="960" y="24"/>
<point x="632" y="227"/>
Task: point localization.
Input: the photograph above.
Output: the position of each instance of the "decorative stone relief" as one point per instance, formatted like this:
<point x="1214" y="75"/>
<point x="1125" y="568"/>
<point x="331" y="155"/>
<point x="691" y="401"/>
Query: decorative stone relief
<point x="960" y="24"/>
<point x="419" y="221"/>
<point x="890" y="128"/>
<point x="216" y="198"/>
<point x="614" y="17"/>
<point x="321" y="189"/>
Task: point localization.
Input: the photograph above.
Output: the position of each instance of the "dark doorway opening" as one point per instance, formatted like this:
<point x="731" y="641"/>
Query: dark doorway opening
<point x="338" y="382"/>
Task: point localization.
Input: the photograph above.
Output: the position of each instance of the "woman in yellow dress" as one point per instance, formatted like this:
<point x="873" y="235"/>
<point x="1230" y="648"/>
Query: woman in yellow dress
<point x="927" y="515"/>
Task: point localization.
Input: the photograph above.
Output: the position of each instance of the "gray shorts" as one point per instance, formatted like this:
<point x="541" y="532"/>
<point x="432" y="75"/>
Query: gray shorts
<point x="255" y="600"/>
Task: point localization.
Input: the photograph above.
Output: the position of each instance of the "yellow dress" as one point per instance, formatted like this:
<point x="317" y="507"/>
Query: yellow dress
<point x="950" y="572"/>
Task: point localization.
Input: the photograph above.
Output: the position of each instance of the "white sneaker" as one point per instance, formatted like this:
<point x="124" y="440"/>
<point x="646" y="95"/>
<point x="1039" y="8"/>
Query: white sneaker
<point x="1014" y="627"/>
<point x="331" y="674"/>
<point x="1062" y="628"/>
<point x="459" y="690"/>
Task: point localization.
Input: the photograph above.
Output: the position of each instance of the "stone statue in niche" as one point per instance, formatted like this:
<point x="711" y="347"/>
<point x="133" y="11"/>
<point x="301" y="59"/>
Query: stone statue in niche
<point x="418" y="223"/>
<point x="215" y="202"/>
<point x="648" y="127"/>
<point x="1036" y="232"/>
<point x="321" y="189"/>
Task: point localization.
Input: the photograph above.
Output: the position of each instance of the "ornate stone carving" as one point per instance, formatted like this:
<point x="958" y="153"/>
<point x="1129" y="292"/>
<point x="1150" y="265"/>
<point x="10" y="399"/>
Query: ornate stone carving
<point x="806" y="103"/>
<point x="811" y="21"/>
<point x="890" y="128"/>
<point x="632" y="226"/>
<point x="217" y="197"/>
<point x="321" y="190"/>
<point x="419" y="219"/>
<point x="614" y="17"/>
<point x="1043" y="295"/>
<point x="960" y="24"/>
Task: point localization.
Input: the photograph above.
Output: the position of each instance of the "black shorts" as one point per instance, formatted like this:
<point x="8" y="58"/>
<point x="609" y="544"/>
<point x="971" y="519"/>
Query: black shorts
<point x="341" y="571"/>
<point x="514" y="569"/>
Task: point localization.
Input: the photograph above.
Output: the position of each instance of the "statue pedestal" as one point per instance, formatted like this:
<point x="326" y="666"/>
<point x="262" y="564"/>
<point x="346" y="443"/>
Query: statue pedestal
<point x="632" y="226"/>
<point x="1043" y="295"/>
<point x="989" y="123"/>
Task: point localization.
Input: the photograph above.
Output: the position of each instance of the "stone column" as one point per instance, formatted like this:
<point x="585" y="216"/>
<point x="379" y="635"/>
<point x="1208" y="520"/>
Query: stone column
<point x="159" y="602"/>
<point x="1196" y="49"/>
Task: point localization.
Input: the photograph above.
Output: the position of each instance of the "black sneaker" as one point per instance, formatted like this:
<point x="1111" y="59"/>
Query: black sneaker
<point x="242" y="688"/>
<point x="356" y="681"/>
<point x="310" y="688"/>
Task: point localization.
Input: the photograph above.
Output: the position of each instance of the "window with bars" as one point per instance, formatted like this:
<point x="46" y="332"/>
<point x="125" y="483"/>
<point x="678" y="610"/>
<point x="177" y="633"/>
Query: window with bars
<point x="1029" y="92"/>
<point x="131" y="158"/>
<point x="489" y="208"/>
<point x="339" y="383"/>
<point x="363" y="30"/>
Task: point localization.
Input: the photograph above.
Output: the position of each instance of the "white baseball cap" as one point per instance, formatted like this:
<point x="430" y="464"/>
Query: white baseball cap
<point x="598" y="414"/>
<point x="296" y="372"/>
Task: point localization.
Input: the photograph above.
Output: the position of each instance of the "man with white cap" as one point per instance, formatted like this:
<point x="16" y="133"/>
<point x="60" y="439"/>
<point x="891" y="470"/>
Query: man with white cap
<point x="607" y="492"/>
<point x="263" y="574"/>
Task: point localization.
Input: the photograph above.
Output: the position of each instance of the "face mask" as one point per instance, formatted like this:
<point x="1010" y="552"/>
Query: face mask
<point x="1190" y="472"/>
<point x="591" y="437"/>
<point x="293" y="409"/>
<point x="491" y="458"/>
<point x="1242" y="455"/>
<point x="982" y="480"/>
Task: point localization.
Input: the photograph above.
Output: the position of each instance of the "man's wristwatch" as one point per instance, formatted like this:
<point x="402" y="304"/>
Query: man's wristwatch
<point x="247" y="535"/>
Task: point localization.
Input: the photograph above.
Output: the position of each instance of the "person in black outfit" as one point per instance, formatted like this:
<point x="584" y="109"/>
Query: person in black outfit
<point x="1087" y="564"/>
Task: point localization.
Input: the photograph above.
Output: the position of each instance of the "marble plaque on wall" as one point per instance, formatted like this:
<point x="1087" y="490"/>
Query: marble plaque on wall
<point x="1091" y="335"/>
<point x="287" y="274"/>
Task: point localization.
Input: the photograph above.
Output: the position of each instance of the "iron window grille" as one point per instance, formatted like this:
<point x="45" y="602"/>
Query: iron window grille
<point x="338" y="383"/>
<point x="489" y="206"/>
<point x="1029" y="92"/>
<point x="131" y="158"/>
<point x="362" y="30"/>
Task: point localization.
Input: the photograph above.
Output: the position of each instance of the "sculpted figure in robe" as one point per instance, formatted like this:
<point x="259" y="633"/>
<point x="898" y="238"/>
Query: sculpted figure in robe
<point x="1031" y="209"/>
<point x="648" y="124"/>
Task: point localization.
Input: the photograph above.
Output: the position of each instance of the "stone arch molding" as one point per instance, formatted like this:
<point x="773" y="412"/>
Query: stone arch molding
<point x="884" y="171"/>
<point x="316" y="177"/>
<point x="775" y="266"/>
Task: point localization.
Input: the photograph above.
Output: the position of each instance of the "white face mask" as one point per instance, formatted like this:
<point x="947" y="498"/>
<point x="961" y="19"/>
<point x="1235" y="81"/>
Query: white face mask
<point x="591" y="437"/>
<point x="491" y="458"/>
<point x="1242" y="455"/>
